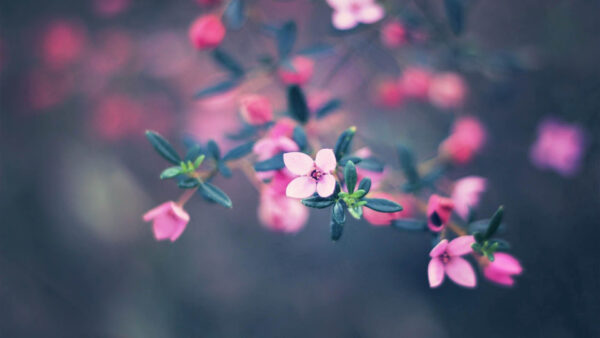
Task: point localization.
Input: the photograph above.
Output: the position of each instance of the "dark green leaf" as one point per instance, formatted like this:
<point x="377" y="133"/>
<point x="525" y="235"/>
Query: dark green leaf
<point x="242" y="134"/>
<point x="382" y="205"/>
<point x="318" y="202"/>
<point x="299" y="136"/>
<point x="455" y="14"/>
<point x="478" y="237"/>
<point x="345" y="159"/>
<point x="328" y="108"/>
<point x="350" y="176"/>
<point x="286" y="38"/>
<point x="501" y="245"/>
<point x="163" y="147"/>
<point x="336" y="230"/>
<point x="338" y="214"/>
<point x="188" y="183"/>
<point x="409" y="224"/>
<point x="217" y="89"/>
<point x="213" y="149"/>
<point x="239" y="151"/>
<point x="482" y="225"/>
<point x="274" y="163"/>
<point x="494" y="223"/>
<point x="365" y="184"/>
<point x="234" y="16"/>
<point x="170" y="172"/>
<point x="215" y="194"/>
<point x="371" y="164"/>
<point x="344" y="142"/>
<point x="407" y="162"/>
<point x="316" y="50"/>
<point x="297" y="104"/>
<point x="224" y="169"/>
<point x="228" y="62"/>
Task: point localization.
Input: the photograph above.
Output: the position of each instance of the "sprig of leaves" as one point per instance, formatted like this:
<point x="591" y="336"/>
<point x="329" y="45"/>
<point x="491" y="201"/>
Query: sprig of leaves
<point x="484" y="244"/>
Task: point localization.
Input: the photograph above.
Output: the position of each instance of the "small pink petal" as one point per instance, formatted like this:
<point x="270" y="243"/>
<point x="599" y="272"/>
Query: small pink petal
<point x="497" y="276"/>
<point x="507" y="263"/>
<point x="301" y="187"/>
<point x="461" y="272"/>
<point x="325" y="160"/>
<point x="298" y="163"/>
<point x="439" y="249"/>
<point x="371" y="13"/>
<point x="326" y="185"/>
<point x="159" y="210"/>
<point x="286" y="144"/>
<point x="460" y="245"/>
<point x="435" y="272"/>
<point x="177" y="231"/>
<point x="343" y="20"/>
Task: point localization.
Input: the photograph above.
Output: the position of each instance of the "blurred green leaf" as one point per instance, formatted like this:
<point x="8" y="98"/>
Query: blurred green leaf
<point x="297" y="104"/>
<point x="163" y="147"/>
<point x="215" y="194"/>
<point x="382" y="205"/>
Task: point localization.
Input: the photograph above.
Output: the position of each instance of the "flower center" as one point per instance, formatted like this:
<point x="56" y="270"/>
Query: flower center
<point x="316" y="174"/>
<point x="355" y="7"/>
<point x="445" y="257"/>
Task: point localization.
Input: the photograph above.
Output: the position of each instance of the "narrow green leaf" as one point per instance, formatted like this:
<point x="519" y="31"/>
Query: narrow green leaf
<point x="213" y="149"/>
<point x="371" y="164"/>
<point x="163" y="147"/>
<point x="336" y="230"/>
<point x="382" y="205"/>
<point x="328" y="108"/>
<point x="409" y="224"/>
<point x="234" y="15"/>
<point x="188" y="183"/>
<point x="239" y="151"/>
<point x="494" y="223"/>
<point x="338" y="214"/>
<point x="299" y="136"/>
<point x="318" y="202"/>
<point x="215" y="194"/>
<point x="286" y="38"/>
<point x="274" y="163"/>
<point x="407" y="162"/>
<point x="170" y="173"/>
<point x="199" y="161"/>
<point x="297" y="104"/>
<point x="228" y="62"/>
<point x="224" y="169"/>
<point x="365" y="184"/>
<point x="216" y="89"/>
<point x="350" y="176"/>
<point x="455" y="13"/>
<point x="344" y="142"/>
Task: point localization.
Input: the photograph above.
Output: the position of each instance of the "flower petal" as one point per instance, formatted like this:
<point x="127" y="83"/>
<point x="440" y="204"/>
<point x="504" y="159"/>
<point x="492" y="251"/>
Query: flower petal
<point x="326" y="185"/>
<point x="343" y="20"/>
<point x="499" y="277"/>
<point x="439" y="249"/>
<point x="435" y="272"/>
<point x="177" y="231"/>
<point x="460" y="245"/>
<point x="507" y="263"/>
<point x="461" y="272"/>
<point x="301" y="187"/>
<point x="325" y="160"/>
<point x="159" y="210"/>
<point x="371" y="13"/>
<point x="298" y="163"/>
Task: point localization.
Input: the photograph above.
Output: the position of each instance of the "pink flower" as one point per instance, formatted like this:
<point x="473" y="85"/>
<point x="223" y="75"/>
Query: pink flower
<point x="388" y="94"/>
<point x="446" y="260"/>
<point x="382" y="218"/>
<point x="466" y="194"/>
<point x="414" y="82"/>
<point x="393" y="34"/>
<point x="283" y="127"/>
<point x="466" y="139"/>
<point x="447" y="90"/>
<point x="110" y="8"/>
<point x="349" y="13"/>
<point x="314" y="175"/>
<point x="559" y="146"/>
<point x="63" y="43"/>
<point x="502" y="269"/>
<point x="278" y="212"/>
<point x="300" y="72"/>
<point x="169" y="221"/>
<point x="439" y="210"/>
<point x="207" y="32"/>
<point x="256" y="109"/>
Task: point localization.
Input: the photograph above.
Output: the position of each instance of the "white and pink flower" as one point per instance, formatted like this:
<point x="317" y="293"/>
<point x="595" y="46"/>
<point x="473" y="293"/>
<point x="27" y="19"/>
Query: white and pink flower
<point x="347" y="14"/>
<point x="467" y="193"/>
<point x="446" y="260"/>
<point x="314" y="176"/>
<point x="169" y="220"/>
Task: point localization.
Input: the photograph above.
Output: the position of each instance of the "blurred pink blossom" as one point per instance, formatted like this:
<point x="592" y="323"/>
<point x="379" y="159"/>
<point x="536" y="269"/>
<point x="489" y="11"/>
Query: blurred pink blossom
<point x="278" y="212"/>
<point x="313" y="176"/>
<point x="442" y="207"/>
<point x="256" y="109"/>
<point x="446" y="260"/>
<point x="382" y="218"/>
<point x="415" y="81"/>
<point x="393" y="34"/>
<point x="300" y="72"/>
<point x="388" y="94"/>
<point x="112" y="52"/>
<point x="117" y="116"/>
<point x="447" y="90"/>
<point x="375" y="176"/>
<point x="466" y="139"/>
<point x="559" y="146"/>
<point x="168" y="221"/>
<point x="207" y="32"/>
<point x="63" y="43"/>
<point x="467" y="193"/>
<point x="349" y="13"/>
<point x="502" y="269"/>
<point x="46" y="89"/>
<point x="110" y="8"/>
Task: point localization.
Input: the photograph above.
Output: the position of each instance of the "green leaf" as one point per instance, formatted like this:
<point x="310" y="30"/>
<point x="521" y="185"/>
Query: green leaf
<point x="213" y="150"/>
<point x="455" y="12"/>
<point x="350" y="176"/>
<point x="344" y="142"/>
<point x="216" y="89"/>
<point x="286" y="38"/>
<point x="336" y="230"/>
<point x="409" y="224"/>
<point x="371" y="164"/>
<point x="297" y="104"/>
<point x="316" y="50"/>
<point x="170" y="172"/>
<point x="382" y="205"/>
<point x="356" y="211"/>
<point x="407" y="162"/>
<point x="163" y="147"/>
<point x="365" y="184"/>
<point x="215" y="194"/>
<point x="239" y="151"/>
<point x="199" y="161"/>
<point x="338" y="214"/>
<point x="494" y="223"/>
<point x="478" y="237"/>
<point x="328" y="108"/>
<point x="345" y="159"/>
<point x="224" y="169"/>
<point x="228" y="62"/>
<point x="274" y="163"/>
<point x="234" y="15"/>
<point x="500" y="244"/>
<point x="299" y="136"/>
<point x="318" y="202"/>
<point x="188" y="183"/>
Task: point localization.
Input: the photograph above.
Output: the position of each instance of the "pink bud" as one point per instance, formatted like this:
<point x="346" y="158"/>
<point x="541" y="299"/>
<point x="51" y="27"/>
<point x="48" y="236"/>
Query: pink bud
<point x="393" y="34"/>
<point x="299" y="73"/>
<point x="388" y="94"/>
<point x="447" y="90"/>
<point x="168" y="221"/>
<point x="467" y="138"/>
<point x="414" y="82"/>
<point x="502" y="269"/>
<point x="62" y="43"/>
<point x="382" y="218"/>
<point x="207" y="32"/>
<point x="439" y="210"/>
<point x="280" y="213"/>
<point x="256" y="109"/>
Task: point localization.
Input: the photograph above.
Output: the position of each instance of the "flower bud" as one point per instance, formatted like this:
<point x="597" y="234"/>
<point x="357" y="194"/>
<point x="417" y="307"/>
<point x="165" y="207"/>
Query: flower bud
<point x="256" y="109"/>
<point x="414" y="82"/>
<point x="299" y="73"/>
<point x="393" y="34"/>
<point x="207" y="32"/>
<point x="447" y="90"/>
<point x="439" y="210"/>
<point x="168" y="221"/>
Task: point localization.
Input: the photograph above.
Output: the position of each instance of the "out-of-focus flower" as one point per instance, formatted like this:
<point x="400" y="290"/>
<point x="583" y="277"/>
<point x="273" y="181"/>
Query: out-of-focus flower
<point x="466" y="194"/>
<point x="256" y="109"/>
<point x="45" y="89"/>
<point x="116" y="116"/>
<point x="63" y="43"/>
<point x="393" y="34"/>
<point x="110" y="8"/>
<point x="278" y="212"/>
<point x="502" y="269"/>
<point x="168" y="221"/>
<point x="383" y="218"/>
<point x="466" y="139"/>
<point x="388" y="94"/>
<point x="207" y="32"/>
<point x="414" y="82"/>
<point x="439" y="210"/>
<point x="446" y="260"/>
<point x="349" y="13"/>
<point x="112" y="52"/>
<point x="375" y="176"/>
<point x="270" y="146"/>
<point x="313" y="175"/>
<point x="447" y="90"/>
<point x="298" y="72"/>
<point x="559" y="146"/>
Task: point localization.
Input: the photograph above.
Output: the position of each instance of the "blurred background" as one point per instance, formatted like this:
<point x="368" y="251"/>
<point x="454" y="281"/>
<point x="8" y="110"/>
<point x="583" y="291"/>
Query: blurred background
<point x="81" y="81"/>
